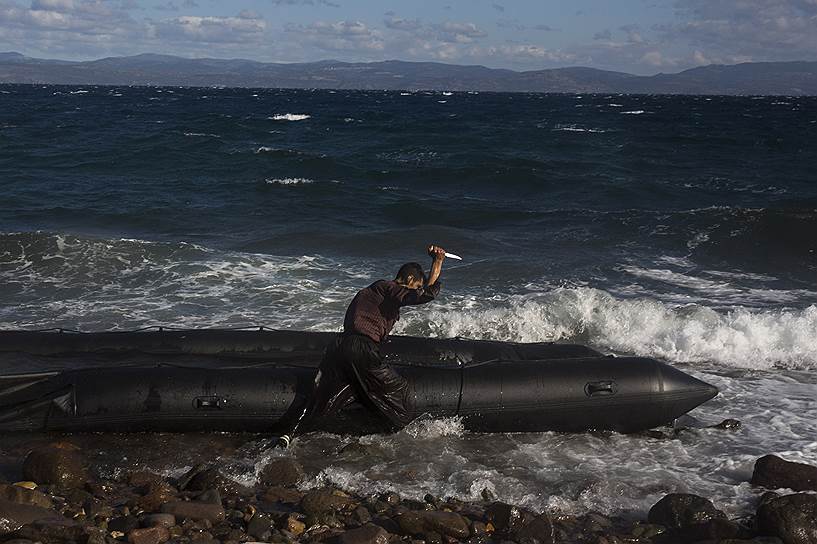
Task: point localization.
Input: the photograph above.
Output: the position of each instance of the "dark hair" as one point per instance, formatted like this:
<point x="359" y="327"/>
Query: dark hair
<point x="410" y="270"/>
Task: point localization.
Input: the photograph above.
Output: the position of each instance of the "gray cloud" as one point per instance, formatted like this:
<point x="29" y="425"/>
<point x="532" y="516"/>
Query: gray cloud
<point x="447" y="32"/>
<point x="603" y="35"/>
<point x="244" y="28"/>
<point x="339" y="36"/>
<point x="499" y="7"/>
<point x="306" y="3"/>
<point x="746" y="29"/>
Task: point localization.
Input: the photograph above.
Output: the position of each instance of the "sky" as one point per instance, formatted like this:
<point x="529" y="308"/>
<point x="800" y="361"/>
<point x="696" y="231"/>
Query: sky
<point x="637" y="36"/>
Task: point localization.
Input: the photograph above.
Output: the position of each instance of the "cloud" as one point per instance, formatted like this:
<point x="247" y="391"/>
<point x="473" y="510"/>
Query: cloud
<point x="603" y="35"/>
<point x="446" y="32"/>
<point x="339" y="36"/>
<point x="167" y="6"/>
<point x="499" y="7"/>
<point x="244" y="28"/>
<point x="328" y="3"/>
<point x="748" y="29"/>
<point x="545" y="28"/>
<point x="531" y="51"/>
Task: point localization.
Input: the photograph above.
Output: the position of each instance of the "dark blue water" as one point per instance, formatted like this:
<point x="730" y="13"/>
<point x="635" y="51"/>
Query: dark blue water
<point x="684" y="228"/>
<point x="134" y="206"/>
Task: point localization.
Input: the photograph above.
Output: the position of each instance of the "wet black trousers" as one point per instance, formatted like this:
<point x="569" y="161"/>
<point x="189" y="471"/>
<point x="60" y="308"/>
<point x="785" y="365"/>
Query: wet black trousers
<point x="353" y="369"/>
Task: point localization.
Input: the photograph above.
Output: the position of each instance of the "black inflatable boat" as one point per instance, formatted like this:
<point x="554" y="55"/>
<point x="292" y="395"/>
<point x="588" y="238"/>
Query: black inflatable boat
<point x="246" y="380"/>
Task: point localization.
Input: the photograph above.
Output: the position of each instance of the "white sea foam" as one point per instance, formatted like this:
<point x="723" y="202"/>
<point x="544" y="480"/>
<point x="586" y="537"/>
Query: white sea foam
<point x="137" y="283"/>
<point x="289" y="117"/>
<point x="634" y="112"/>
<point x="576" y="128"/>
<point x="289" y="181"/>
<point x="744" y="338"/>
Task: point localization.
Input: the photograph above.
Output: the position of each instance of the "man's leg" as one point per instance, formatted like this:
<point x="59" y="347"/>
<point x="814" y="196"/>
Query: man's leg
<point x="329" y="391"/>
<point x="377" y="384"/>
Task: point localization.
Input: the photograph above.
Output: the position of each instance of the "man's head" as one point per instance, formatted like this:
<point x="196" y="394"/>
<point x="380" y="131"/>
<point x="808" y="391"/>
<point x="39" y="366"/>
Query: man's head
<point x="411" y="275"/>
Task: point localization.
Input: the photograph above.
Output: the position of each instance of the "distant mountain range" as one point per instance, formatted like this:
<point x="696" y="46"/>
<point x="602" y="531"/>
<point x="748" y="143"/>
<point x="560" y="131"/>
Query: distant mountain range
<point x="756" y="78"/>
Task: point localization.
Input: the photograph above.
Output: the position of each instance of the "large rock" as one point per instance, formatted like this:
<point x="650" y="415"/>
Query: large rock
<point x="59" y="464"/>
<point x="14" y="515"/>
<point x="792" y="518"/>
<point x="367" y="534"/>
<point x="194" y="510"/>
<point x="678" y="510"/>
<point x="445" y="523"/>
<point x="773" y="472"/>
<point x="21" y="495"/>
<point x="325" y="500"/>
<point x="284" y="472"/>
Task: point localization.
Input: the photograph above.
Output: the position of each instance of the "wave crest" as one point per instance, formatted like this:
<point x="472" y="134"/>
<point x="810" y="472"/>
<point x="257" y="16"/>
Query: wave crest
<point x="757" y="339"/>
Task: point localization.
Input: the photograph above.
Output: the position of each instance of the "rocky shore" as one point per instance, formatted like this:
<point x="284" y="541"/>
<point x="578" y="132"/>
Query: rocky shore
<point x="58" y="499"/>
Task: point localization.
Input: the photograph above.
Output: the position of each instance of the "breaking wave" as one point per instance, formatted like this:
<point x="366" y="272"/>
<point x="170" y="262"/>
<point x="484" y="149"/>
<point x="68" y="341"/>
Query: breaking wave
<point x="757" y="339"/>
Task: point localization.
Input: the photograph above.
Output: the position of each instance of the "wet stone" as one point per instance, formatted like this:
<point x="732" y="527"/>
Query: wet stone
<point x="728" y="425"/>
<point x="505" y="517"/>
<point x="772" y="472"/>
<point x="194" y="510"/>
<point x="792" y="518"/>
<point x="284" y="472"/>
<point x="325" y="500"/>
<point x="678" y="510"/>
<point x="158" y="520"/>
<point x="539" y="531"/>
<point x="149" y="535"/>
<point x="95" y="508"/>
<point x="212" y="479"/>
<point x="23" y="495"/>
<point x="361" y="515"/>
<point x="367" y="534"/>
<point x="259" y="526"/>
<point x="53" y="531"/>
<point x="14" y="515"/>
<point x="294" y="526"/>
<point x="391" y="498"/>
<point x="123" y="524"/>
<point x="211" y="496"/>
<point x="443" y="523"/>
<point x="59" y="464"/>
<point x="282" y="494"/>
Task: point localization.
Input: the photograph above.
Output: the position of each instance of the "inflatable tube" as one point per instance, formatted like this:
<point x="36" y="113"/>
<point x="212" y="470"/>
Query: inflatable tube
<point x="492" y="386"/>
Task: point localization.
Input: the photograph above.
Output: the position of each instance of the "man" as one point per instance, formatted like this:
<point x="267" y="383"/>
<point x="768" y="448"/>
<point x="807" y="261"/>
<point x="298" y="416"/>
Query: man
<point x="352" y="365"/>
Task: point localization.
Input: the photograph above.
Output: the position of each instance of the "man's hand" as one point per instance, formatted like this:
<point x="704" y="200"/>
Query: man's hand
<point x="436" y="252"/>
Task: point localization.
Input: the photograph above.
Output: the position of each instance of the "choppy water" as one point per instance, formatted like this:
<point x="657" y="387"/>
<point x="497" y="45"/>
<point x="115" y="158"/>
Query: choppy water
<point x="683" y="228"/>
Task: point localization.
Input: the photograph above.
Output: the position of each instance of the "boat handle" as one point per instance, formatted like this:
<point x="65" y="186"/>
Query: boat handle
<point x="601" y="388"/>
<point x="210" y="403"/>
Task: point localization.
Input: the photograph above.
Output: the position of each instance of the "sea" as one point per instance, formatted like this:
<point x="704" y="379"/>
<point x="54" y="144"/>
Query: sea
<point x="677" y="227"/>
